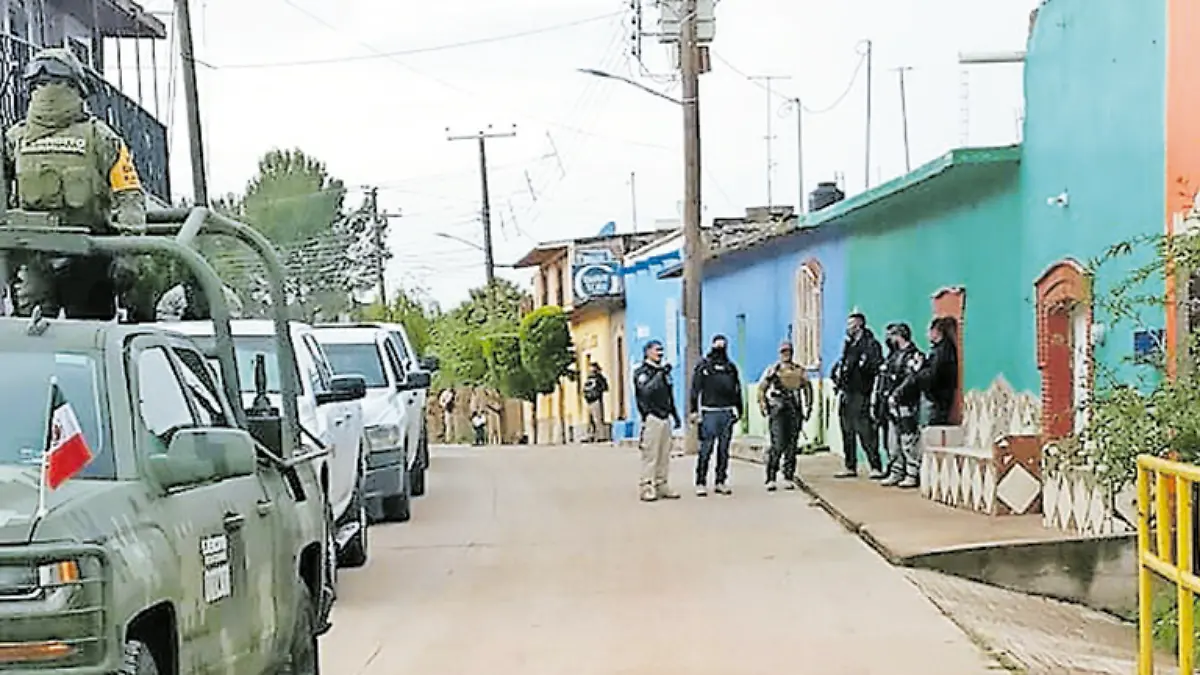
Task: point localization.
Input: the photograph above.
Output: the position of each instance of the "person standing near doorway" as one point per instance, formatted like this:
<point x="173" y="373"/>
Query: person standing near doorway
<point x="939" y="377"/>
<point x="594" y="389"/>
<point x="785" y="397"/>
<point x="904" y="406"/>
<point x="854" y="378"/>
<point x="717" y="394"/>
<point x="655" y="397"/>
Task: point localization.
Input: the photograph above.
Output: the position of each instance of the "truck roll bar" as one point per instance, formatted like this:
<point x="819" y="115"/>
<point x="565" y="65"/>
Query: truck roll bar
<point x="172" y="232"/>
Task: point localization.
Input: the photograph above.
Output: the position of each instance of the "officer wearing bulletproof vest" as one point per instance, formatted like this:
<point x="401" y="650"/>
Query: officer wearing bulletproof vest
<point x="785" y="398"/>
<point x="903" y="410"/>
<point x="65" y="161"/>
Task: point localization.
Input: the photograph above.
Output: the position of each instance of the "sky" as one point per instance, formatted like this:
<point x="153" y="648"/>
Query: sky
<point x="371" y="87"/>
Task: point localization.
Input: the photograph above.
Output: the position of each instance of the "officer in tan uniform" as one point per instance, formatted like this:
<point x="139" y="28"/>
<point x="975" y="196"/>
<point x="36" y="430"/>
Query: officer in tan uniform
<point x="66" y="162"/>
<point x="785" y="398"/>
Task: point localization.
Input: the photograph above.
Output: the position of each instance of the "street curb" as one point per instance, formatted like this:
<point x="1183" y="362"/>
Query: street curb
<point x="850" y="525"/>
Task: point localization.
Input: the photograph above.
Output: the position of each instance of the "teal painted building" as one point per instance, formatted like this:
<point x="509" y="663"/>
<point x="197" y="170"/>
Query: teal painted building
<point x="999" y="238"/>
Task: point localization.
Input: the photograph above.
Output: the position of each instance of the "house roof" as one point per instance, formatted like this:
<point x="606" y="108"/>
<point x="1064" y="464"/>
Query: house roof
<point x="547" y="251"/>
<point x="954" y="169"/>
<point x="115" y="18"/>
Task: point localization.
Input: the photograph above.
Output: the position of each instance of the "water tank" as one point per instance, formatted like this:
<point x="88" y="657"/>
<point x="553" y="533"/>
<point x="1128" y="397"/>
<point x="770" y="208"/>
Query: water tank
<point x="827" y="193"/>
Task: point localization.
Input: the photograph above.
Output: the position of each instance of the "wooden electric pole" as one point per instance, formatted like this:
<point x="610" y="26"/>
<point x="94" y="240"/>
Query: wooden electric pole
<point x="486" y="209"/>
<point x="195" y="135"/>
<point x="693" y="245"/>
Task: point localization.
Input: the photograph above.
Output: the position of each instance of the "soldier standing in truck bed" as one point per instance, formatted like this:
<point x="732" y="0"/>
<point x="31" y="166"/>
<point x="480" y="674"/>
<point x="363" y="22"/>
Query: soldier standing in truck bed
<point x="65" y="161"/>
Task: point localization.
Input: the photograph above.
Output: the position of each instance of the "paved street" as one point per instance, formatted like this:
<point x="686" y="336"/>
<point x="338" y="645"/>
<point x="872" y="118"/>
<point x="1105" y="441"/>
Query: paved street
<point x="542" y="562"/>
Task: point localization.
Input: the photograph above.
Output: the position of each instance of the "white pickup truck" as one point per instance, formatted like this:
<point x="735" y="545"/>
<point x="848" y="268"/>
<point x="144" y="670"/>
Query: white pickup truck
<point x="329" y="410"/>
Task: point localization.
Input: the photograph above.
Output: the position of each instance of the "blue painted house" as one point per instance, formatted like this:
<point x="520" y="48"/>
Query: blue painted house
<point x="1000" y="239"/>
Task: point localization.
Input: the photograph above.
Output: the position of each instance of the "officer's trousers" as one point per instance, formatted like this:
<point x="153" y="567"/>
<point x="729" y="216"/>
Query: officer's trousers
<point x="904" y="447"/>
<point x="785" y="429"/>
<point x="80" y="286"/>
<point x="656" y="452"/>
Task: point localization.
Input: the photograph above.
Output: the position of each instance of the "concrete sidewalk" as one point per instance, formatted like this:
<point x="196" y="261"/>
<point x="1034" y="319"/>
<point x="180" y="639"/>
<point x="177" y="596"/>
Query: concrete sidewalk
<point x="1041" y="636"/>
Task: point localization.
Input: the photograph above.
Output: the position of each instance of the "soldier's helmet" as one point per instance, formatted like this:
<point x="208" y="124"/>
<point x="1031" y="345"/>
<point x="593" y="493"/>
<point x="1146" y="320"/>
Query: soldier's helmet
<point x="57" y="64"/>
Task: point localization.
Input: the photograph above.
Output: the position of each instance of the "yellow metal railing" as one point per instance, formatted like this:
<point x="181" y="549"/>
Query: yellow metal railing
<point x="1159" y="482"/>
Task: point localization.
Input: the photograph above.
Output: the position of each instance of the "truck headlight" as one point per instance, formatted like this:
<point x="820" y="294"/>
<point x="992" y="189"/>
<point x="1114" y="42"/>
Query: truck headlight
<point x="28" y="582"/>
<point x="383" y="437"/>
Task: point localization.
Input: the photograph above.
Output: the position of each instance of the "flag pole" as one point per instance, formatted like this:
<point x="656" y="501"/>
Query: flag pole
<point x="41" y="508"/>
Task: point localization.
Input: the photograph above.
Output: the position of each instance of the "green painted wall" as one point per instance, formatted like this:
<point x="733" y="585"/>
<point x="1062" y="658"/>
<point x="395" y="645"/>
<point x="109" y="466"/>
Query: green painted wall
<point x="963" y="235"/>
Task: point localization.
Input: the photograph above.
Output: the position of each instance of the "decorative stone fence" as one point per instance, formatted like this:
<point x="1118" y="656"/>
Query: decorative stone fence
<point x="991" y="463"/>
<point x="1074" y="501"/>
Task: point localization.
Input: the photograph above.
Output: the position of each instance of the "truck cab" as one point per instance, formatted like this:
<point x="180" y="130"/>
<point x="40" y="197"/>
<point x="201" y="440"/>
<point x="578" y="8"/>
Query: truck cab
<point x="330" y="413"/>
<point x="149" y="522"/>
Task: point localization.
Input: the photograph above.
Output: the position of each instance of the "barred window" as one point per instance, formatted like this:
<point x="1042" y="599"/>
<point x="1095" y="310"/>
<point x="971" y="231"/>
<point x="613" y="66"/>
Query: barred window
<point x="809" y="279"/>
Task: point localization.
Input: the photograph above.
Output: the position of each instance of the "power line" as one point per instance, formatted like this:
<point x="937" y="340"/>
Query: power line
<point x="422" y="50"/>
<point x="784" y="97"/>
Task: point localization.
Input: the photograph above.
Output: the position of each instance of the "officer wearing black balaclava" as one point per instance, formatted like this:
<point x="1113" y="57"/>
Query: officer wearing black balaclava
<point x="717" y="394"/>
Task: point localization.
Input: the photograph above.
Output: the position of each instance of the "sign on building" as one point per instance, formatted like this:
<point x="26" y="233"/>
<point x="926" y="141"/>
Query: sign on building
<point x="595" y="274"/>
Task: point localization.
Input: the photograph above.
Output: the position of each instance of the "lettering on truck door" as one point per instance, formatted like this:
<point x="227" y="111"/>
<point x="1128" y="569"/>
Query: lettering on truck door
<point x="249" y="510"/>
<point x="210" y="555"/>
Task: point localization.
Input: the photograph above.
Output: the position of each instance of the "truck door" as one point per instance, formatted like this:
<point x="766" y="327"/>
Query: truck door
<point x="407" y="400"/>
<point x="222" y="552"/>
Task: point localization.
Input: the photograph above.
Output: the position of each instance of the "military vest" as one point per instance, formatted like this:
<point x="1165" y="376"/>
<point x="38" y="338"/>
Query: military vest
<point x="60" y="173"/>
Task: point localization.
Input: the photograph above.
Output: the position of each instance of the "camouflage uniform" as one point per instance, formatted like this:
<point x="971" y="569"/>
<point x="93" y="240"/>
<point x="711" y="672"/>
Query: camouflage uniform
<point x="67" y="162"/>
<point x="785" y="397"/>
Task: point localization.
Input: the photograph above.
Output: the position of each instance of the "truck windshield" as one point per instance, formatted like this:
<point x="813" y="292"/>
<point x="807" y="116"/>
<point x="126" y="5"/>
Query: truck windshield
<point x="357" y="359"/>
<point x="25" y="407"/>
<point x="245" y="349"/>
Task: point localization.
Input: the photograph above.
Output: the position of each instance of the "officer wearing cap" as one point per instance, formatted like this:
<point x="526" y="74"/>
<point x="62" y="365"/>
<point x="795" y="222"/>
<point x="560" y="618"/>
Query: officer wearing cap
<point x="65" y="161"/>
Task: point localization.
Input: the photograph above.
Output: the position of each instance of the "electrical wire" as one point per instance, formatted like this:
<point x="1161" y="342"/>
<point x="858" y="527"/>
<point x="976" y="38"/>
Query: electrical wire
<point x="792" y="99"/>
<point x="422" y="50"/>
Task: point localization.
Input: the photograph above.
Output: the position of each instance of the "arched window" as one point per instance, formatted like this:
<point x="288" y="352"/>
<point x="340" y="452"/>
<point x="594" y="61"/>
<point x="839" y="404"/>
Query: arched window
<point x="807" y="333"/>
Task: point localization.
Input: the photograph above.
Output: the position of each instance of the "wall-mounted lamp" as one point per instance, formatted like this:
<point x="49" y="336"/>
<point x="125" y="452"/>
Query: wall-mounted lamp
<point x="1063" y="200"/>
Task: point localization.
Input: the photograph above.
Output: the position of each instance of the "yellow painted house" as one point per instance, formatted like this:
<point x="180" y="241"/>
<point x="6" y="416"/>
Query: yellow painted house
<point x="585" y="278"/>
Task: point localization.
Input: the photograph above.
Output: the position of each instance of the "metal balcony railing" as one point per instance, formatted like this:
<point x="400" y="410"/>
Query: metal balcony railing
<point x="145" y="135"/>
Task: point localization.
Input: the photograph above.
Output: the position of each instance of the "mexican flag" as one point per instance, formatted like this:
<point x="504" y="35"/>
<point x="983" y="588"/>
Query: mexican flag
<point x="67" y="452"/>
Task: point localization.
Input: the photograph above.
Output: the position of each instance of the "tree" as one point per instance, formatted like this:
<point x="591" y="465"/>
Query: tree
<point x="547" y="351"/>
<point x="328" y="254"/>
<point x="412" y="309"/>
<point x="458" y="336"/>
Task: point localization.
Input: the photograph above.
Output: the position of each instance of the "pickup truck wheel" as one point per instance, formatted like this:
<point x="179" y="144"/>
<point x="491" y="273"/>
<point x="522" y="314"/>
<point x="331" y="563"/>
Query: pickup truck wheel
<point x="417" y="487"/>
<point x="137" y="660"/>
<point x="304" y="656"/>
<point x="398" y="508"/>
<point x="356" y="552"/>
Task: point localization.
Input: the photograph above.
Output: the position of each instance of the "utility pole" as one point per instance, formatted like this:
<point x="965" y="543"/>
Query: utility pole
<point x="904" y="117"/>
<point x="867" y="165"/>
<point x="633" y="198"/>
<point x="800" y="203"/>
<point x="693" y="245"/>
<point x="192" y="96"/>
<point x="770" y="110"/>
<point x="486" y="210"/>
<point x="377" y="237"/>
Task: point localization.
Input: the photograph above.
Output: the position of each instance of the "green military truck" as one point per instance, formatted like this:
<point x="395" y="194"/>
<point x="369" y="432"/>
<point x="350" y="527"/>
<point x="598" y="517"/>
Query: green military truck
<point x="149" y="524"/>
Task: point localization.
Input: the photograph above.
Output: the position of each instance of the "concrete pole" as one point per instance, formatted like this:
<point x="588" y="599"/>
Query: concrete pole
<point x="192" y="96"/>
<point x="693" y="246"/>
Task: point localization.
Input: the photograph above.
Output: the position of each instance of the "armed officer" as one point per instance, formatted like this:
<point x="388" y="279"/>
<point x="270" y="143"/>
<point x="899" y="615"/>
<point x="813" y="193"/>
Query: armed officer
<point x="68" y="163"/>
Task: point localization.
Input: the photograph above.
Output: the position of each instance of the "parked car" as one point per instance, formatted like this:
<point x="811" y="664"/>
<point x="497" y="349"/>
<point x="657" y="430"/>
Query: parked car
<point x="371" y="352"/>
<point x="330" y="413"/>
<point x="414" y="401"/>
